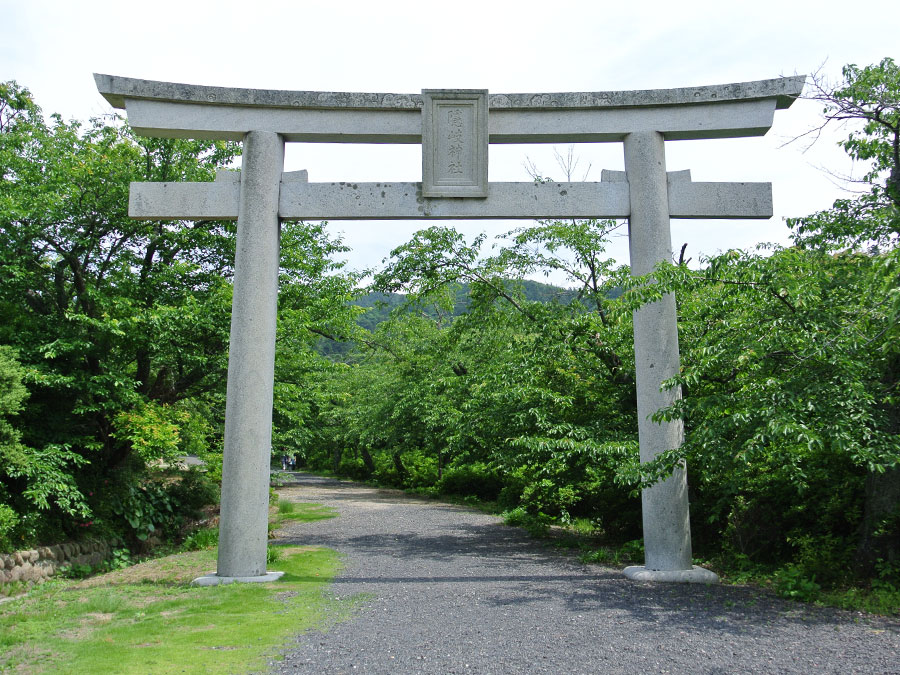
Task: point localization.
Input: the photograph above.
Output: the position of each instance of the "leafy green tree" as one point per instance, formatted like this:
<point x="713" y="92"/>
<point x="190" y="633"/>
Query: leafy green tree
<point x="115" y="319"/>
<point x="868" y="99"/>
<point x="122" y="325"/>
<point x="791" y="365"/>
<point x="536" y="390"/>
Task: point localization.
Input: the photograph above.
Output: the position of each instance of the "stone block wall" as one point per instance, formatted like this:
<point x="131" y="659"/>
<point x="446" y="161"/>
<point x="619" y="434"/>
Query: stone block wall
<point x="39" y="564"/>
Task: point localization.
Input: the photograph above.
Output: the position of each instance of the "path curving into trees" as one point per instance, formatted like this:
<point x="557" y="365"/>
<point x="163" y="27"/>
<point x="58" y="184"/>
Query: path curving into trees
<point x="453" y="590"/>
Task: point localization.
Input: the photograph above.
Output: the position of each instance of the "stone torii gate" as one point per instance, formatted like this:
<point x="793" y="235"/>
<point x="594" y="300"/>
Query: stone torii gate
<point x="454" y="128"/>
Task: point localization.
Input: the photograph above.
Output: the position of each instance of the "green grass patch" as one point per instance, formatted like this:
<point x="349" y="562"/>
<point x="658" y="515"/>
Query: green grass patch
<point x="147" y="618"/>
<point x="303" y="512"/>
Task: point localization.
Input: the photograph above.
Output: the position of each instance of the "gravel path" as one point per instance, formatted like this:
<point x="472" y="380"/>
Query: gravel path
<point x="455" y="591"/>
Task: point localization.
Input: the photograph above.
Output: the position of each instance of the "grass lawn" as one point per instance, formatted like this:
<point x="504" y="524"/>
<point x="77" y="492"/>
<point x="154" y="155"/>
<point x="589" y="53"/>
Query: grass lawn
<point x="148" y="619"/>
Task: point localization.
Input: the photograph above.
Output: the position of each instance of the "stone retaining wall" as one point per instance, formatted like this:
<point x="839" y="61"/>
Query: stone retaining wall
<point x="41" y="563"/>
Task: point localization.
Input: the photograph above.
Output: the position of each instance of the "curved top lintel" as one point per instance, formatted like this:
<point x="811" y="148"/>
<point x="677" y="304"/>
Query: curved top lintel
<point x="115" y="89"/>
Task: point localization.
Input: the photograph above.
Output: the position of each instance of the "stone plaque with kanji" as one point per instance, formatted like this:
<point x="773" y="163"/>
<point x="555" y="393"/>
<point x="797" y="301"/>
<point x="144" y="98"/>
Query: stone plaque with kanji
<point x="455" y="143"/>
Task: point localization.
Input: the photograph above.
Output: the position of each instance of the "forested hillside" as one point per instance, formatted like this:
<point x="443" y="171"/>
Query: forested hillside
<point x="451" y="372"/>
<point x="379" y="306"/>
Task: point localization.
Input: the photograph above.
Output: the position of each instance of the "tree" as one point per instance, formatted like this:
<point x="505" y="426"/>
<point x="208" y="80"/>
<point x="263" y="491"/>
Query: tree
<point x="868" y="99"/>
<point x="791" y="364"/>
<point x="117" y="321"/>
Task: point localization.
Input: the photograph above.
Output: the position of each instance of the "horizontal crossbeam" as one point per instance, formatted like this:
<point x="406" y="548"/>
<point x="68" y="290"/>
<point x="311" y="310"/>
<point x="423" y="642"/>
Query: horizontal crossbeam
<point x="172" y="110"/>
<point x="188" y="120"/>
<point x="403" y="201"/>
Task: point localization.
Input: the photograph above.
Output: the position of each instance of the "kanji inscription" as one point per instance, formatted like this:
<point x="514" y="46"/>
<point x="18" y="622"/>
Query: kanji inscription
<point x="454" y="143"/>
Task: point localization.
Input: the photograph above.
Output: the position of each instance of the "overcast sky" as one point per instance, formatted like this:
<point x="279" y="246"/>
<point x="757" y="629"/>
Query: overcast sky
<point x="53" y="47"/>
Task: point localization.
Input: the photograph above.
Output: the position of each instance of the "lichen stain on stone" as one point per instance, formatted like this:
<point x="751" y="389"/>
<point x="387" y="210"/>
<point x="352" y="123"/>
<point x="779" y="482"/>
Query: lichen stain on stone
<point x="563" y="192"/>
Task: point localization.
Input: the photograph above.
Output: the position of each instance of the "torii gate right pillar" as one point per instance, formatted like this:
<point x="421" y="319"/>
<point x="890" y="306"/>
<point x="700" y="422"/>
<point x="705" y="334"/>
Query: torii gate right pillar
<point x="665" y="510"/>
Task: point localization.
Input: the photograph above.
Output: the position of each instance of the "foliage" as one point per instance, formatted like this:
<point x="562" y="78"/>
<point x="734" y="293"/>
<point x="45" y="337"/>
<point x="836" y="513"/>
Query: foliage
<point x="150" y="431"/>
<point x="8" y="522"/>
<point x="476" y="479"/>
<point x="115" y="320"/>
<point x="536" y="525"/>
<point x="869" y="99"/>
<point x="202" y="539"/>
<point x="121" y="326"/>
<point x="791" y="583"/>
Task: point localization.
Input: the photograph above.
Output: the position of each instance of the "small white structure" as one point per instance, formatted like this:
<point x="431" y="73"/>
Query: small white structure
<point x="454" y="128"/>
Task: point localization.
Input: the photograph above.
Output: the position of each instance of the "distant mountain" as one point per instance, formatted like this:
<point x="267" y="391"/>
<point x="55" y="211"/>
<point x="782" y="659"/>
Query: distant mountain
<point x="380" y="305"/>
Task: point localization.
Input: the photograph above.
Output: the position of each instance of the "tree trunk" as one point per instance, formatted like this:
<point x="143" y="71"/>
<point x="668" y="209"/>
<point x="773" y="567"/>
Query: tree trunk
<point x="880" y="535"/>
<point x="367" y="460"/>
<point x="398" y="465"/>
<point x="880" y="530"/>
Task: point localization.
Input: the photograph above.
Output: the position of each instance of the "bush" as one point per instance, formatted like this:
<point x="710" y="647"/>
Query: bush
<point x="386" y="470"/>
<point x="421" y="470"/>
<point x="143" y="510"/>
<point x="545" y="496"/>
<point x="194" y="490"/>
<point x="353" y="468"/>
<point x="536" y="525"/>
<point x="202" y="539"/>
<point x="792" y="582"/>
<point x="476" y="479"/>
<point x="8" y="522"/>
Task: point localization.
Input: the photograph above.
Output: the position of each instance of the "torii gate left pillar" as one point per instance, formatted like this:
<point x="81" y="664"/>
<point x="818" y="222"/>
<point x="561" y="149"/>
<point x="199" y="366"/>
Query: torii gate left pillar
<point x="251" y="366"/>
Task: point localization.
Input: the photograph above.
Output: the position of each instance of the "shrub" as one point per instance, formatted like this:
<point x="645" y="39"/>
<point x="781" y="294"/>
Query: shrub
<point x="151" y="430"/>
<point x="192" y="491"/>
<point x="421" y="470"/>
<point x="792" y="582"/>
<point x="476" y="479"/>
<point x="352" y="467"/>
<point x="536" y="525"/>
<point x="386" y="470"/>
<point x="8" y="521"/>
<point x="204" y="538"/>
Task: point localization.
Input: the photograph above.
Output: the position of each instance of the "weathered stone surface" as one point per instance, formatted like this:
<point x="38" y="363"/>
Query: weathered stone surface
<point x="186" y="111"/>
<point x="404" y="201"/>
<point x="694" y="575"/>
<point x="601" y="125"/>
<point x="251" y="363"/>
<point x="455" y="143"/>
<point x="216" y="580"/>
<point x="117" y="90"/>
<point x="667" y="534"/>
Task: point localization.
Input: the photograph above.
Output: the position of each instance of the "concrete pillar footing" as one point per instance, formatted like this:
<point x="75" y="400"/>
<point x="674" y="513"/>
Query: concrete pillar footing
<point x="216" y="580"/>
<point x="695" y="575"/>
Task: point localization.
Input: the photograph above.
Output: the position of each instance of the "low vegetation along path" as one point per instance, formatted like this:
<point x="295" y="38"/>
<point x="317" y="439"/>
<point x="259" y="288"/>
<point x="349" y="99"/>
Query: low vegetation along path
<point x="453" y="590"/>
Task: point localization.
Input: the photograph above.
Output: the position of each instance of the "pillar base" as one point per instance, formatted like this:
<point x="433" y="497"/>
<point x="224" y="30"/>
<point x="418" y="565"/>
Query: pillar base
<point x="695" y="575"/>
<point x="216" y="580"/>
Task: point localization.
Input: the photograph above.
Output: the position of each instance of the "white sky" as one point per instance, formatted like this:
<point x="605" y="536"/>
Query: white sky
<point x="53" y="47"/>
